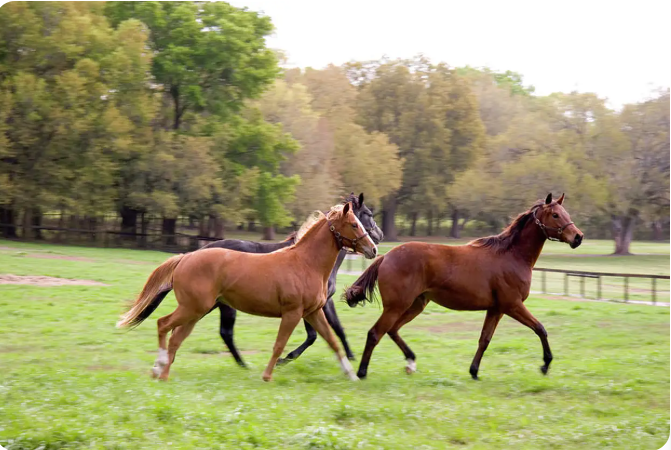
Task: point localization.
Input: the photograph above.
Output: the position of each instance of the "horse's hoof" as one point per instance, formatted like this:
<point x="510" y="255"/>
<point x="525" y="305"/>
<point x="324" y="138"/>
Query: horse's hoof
<point x="352" y="358"/>
<point x="545" y="369"/>
<point x="267" y="377"/>
<point x="352" y="376"/>
<point x="411" y="367"/>
<point x="283" y="361"/>
<point x="155" y="372"/>
<point x="361" y="375"/>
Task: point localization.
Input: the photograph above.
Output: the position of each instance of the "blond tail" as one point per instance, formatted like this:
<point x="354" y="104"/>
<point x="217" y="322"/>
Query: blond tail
<point x="157" y="287"/>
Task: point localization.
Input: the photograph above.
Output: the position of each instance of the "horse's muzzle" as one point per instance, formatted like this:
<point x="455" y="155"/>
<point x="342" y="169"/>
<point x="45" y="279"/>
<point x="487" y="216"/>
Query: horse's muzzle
<point x="577" y="240"/>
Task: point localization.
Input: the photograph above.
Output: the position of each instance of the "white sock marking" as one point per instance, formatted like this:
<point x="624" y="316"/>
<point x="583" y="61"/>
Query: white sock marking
<point x="411" y="367"/>
<point x="347" y="368"/>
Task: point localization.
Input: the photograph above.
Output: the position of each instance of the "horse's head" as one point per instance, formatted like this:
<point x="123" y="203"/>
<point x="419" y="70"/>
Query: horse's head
<point x="556" y="223"/>
<point x="350" y="232"/>
<point x="365" y="216"/>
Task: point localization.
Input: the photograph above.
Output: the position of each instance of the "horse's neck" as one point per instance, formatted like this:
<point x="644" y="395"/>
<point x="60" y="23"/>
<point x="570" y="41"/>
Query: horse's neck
<point x="318" y="246"/>
<point x="531" y="241"/>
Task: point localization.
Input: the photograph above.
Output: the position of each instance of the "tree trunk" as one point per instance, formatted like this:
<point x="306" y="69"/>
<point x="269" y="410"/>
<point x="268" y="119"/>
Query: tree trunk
<point x="251" y="226"/>
<point x="143" y="230"/>
<point x="269" y="233"/>
<point x="218" y="228"/>
<point x="128" y="223"/>
<point x="168" y="231"/>
<point x="413" y="227"/>
<point x="389" y="218"/>
<point x="623" y="232"/>
<point x="7" y="221"/>
<point x="657" y="230"/>
<point x="27" y="221"/>
<point x="429" y="222"/>
<point x="203" y="228"/>
<point x="36" y="221"/>
<point x="455" y="224"/>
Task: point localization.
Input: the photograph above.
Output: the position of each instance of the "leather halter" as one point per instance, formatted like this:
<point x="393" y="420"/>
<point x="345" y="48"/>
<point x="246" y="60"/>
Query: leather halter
<point x="558" y="230"/>
<point x="340" y="238"/>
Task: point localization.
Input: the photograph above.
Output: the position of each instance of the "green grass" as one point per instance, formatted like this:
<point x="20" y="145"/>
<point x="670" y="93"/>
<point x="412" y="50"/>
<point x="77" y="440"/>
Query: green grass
<point x="69" y="379"/>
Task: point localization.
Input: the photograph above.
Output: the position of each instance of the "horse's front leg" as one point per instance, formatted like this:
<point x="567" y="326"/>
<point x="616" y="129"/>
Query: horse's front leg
<point x="289" y="321"/>
<point x="312" y="337"/>
<point x="332" y="318"/>
<point x="520" y="313"/>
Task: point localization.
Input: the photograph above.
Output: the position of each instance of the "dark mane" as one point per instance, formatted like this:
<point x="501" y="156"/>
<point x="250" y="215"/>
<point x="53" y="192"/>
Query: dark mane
<point x="505" y="240"/>
<point x="352" y="199"/>
<point x="291" y="237"/>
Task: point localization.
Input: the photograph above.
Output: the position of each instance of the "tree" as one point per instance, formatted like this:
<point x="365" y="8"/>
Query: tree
<point x="430" y="113"/>
<point x="208" y="58"/>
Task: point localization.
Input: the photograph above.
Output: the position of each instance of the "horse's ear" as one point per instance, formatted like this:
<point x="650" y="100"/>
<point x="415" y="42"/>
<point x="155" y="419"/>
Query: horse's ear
<point x="360" y="200"/>
<point x="345" y="210"/>
<point x="548" y="199"/>
<point x="561" y="199"/>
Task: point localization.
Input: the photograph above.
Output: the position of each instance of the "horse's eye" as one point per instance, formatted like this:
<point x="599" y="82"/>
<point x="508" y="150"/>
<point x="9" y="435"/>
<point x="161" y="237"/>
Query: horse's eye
<point x="354" y="225"/>
<point x="556" y="216"/>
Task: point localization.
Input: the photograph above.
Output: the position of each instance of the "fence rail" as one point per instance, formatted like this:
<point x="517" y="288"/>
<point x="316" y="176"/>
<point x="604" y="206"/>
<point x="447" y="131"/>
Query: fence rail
<point x="641" y="286"/>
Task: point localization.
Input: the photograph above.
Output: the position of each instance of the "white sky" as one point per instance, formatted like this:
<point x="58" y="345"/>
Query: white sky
<point x="615" y="48"/>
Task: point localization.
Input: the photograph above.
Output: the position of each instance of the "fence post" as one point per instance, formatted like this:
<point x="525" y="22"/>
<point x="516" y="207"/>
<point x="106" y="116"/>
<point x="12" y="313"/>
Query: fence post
<point x="626" y="289"/>
<point x="566" y="284"/>
<point x="598" y="288"/>
<point x="582" y="287"/>
<point x="544" y="285"/>
<point x="654" y="291"/>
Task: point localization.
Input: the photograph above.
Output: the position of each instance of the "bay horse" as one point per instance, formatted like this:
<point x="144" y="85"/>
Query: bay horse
<point x="491" y="273"/>
<point x="289" y="283"/>
<point x="227" y="315"/>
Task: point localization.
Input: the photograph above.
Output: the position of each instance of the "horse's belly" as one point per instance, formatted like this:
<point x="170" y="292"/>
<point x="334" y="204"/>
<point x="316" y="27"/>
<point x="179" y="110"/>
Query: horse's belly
<point x="256" y="307"/>
<point x="461" y="301"/>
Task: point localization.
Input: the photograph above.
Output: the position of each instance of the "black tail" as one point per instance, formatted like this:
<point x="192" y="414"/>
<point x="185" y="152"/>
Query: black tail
<point x="151" y="307"/>
<point x="364" y="287"/>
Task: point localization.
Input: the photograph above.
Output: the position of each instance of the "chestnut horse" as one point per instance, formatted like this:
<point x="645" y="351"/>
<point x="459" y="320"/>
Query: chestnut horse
<point x="491" y="273"/>
<point x="289" y="283"/>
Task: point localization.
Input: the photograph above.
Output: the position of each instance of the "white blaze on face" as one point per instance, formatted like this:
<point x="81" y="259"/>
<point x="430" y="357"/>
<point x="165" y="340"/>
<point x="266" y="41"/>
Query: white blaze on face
<point x="364" y="230"/>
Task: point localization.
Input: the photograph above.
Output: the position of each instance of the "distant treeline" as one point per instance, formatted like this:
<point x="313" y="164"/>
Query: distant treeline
<point x="179" y="109"/>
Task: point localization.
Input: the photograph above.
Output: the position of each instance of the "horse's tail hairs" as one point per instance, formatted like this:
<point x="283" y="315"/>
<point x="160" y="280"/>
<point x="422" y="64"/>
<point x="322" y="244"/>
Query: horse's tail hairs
<point x="157" y="287"/>
<point x="363" y="288"/>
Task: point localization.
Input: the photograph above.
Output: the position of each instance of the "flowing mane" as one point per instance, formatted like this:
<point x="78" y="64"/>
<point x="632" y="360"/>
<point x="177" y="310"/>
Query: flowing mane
<point x="505" y="240"/>
<point x="314" y="218"/>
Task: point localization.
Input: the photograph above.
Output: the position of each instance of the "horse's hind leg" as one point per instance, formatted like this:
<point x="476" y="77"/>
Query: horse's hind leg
<point x="318" y="321"/>
<point x="491" y="321"/>
<point x="312" y="337"/>
<point x="520" y="313"/>
<point x="165" y="324"/>
<point x="289" y="321"/>
<point x="386" y="321"/>
<point x="416" y="309"/>
<point x="178" y="335"/>
<point x="226" y="323"/>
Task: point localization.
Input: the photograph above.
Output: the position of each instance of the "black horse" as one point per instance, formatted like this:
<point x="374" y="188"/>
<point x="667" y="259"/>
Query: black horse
<point x="227" y="314"/>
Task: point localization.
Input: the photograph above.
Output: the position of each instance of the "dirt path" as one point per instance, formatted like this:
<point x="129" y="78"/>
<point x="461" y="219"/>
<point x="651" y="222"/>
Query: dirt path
<point x="37" y="280"/>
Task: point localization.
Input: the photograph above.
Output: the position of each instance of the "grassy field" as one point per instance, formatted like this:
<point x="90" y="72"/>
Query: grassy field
<point x="69" y="379"/>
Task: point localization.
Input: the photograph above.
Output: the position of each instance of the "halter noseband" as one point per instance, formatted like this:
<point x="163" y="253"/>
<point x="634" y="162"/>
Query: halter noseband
<point x="558" y="230"/>
<point x="340" y="238"/>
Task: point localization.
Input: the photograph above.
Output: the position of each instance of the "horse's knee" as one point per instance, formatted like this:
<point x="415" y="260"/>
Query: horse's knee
<point x="373" y="337"/>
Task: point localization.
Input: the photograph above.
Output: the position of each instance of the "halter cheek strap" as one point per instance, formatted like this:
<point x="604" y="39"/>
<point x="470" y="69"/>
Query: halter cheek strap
<point x="558" y="230"/>
<point x="350" y="243"/>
